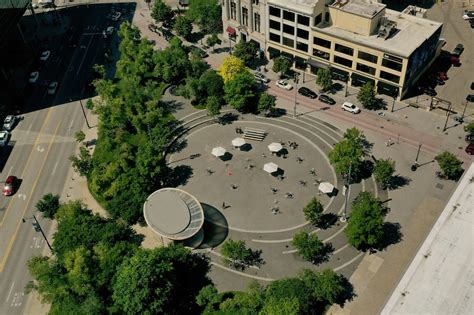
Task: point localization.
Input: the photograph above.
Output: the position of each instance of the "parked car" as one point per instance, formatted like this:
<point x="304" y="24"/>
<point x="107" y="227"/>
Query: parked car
<point x="45" y="55"/>
<point x="427" y="90"/>
<point x="307" y="92"/>
<point x="9" y="122"/>
<point x="470" y="98"/>
<point x="10" y="185"/>
<point x="472" y="85"/>
<point x="455" y="61"/>
<point x="52" y="88"/>
<point x="34" y="76"/>
<point x="109" y="30"/>
<point x="470" y="149"/>
<point x="458" y="50"/>
<point x="153" y="28"/>
<point x="442" y="75"/>
<point x="198" y="51"/>
<point x="468" y="15"/>
<point x="283" y="84"/>
<point x="469" y="138"/>
<point x="326" y="99"/>
<point x="261" y="77"/>
<point x="434" y="78"/>
<point x="351" y="108"/>
<point x="115" y="16"/>
<point x="4" y="138"/>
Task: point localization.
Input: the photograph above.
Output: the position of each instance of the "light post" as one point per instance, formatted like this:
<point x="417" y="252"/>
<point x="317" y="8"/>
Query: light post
<point x="345" y="92"/>
<point x="393" y="104"/>
<point x="447" y="117"/>
<point x="464" y="111"/>
<point x="84" y="113"/>
<point x="415" y="165"/>
<point x="38" y="228"/>
<point x="348" y="185"/>
<point x="295" y="78"/>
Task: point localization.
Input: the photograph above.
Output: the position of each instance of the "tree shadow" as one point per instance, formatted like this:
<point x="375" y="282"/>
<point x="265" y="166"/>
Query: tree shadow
<point x="276" y="112"/>
<point x="173" y="106"/>
<point x="398" y="181"/>
<point x="215" y="227"/>
<point x="179" y="175"/>
<point x="348" y="294"/>
<point x="327" y="220"/>
<point x="365" y="171"/>
<point x="177" y="146"/>
<point x="336" y="87"/>
<point x="323" y="255"/>
<point x="391" y="235"/>
<point x="379" y="104"/>
<point x="195" y="37"/>
<point x="228" y="118"/>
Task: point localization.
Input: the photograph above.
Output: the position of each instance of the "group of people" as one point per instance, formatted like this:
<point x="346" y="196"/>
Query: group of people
<point x="292" y="145"/>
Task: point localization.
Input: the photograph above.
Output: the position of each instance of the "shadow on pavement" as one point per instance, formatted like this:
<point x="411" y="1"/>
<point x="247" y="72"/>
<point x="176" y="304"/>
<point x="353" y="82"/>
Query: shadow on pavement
<point x="215" y="227"/>
<point x="179" y="175"/>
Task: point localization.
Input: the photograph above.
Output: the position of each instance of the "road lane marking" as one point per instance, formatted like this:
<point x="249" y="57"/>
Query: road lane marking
<point x="12" y="239"/>
<point x="70" y="125"/>
<point x="27" y="162"/>
<point x="10" y="171"/>
<point x="29" y="129"/>
<point x="39" y="149"/>
<point x="10" y="291"/>
<point x="84" y="57"/>
<point x="54" y="168"/>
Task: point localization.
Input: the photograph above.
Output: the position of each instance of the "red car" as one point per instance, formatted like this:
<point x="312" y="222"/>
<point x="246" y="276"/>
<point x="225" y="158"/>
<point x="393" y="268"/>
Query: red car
<point x="10" y="185"/>
<point x="442" y="76"/>
<point x="470" y="149"/>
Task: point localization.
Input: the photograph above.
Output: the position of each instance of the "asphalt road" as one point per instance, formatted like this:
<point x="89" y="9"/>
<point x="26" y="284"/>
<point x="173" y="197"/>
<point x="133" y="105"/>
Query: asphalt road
<point x="40" y="147"/>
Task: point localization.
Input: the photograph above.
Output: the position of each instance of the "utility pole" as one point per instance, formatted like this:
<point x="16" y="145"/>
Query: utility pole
<point x="295" y="78"/>
<point x="38" y="228"/>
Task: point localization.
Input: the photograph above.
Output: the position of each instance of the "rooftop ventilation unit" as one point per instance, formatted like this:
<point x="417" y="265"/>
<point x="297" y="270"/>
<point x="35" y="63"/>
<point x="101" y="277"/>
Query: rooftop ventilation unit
<point x="386" y="28"/>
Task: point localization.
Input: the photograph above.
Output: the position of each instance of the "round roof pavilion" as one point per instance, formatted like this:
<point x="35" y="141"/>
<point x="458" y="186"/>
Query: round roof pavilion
<point x="173" y="213"/>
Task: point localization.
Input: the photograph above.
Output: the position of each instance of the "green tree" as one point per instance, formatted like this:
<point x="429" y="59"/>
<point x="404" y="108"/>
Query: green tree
<point x="281" y="65"/>
<point x="349" y="152"/>
<point x="326" y="286"/>
<point x="161" y="12"/>
<point x="231" y="67"/>
<point x="80" y="136"/>
<point x="163" y="280"/>
<point x="366" y="96"/>
<point x="82" y="163"/>
<point x="469" y="128"/>
<point x="213" y="40"/>
<point x="213" y="106"/>
<point x="383" y="171"/>
<point x="212" y="83"/>
<point x="183" y="26"/>
<point x="365" y="226"/>
<point x="450" y="165"/>
<point x="245" y="51"/>
<point x="240" y="92"/>
<point x="48" y="205"/>
<point x="289" y="289"/>
<point x="266" y="103"/>
<point x="209" y="299"/>
<point x="324" y="79"/>
<point x="311" y="248"/>
<point x="313" y="212"/>
<point x="90" y="104"/>
<point x="236" y="254"/>
<point x="248" y="302"/>
<point x="207" y="14"/>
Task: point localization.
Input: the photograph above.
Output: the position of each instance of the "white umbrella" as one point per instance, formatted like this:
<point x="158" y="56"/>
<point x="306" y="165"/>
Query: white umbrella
<point x="275" y="147"/>
<point x="218" y="151"/>
<point x="270" y="167"/>
<point x="326" y="188"/>
<point x="238" y="142"/>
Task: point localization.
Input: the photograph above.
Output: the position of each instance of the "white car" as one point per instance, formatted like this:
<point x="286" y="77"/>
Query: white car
<point x="109" y="30"/>
<point x="4" y="137"/>
<point x="283" y="84"/>
<point x="45" y="55"/>
<point x="115" y="16"/>
<point x="34" y="76"/>
<point x="261" y="77"/>
<point x="9" y="122"/>
<point x="52" y="88"/>
<point x="351" y="108"/>
<point x="467" y="15"/>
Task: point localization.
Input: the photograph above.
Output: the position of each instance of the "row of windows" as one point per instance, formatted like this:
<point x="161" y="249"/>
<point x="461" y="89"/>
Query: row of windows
<point x="289" y="16"/>
<point x="288" y="29"/>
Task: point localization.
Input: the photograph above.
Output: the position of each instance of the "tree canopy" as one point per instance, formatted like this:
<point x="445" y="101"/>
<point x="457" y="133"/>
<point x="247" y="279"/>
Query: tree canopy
<point x="245" y="51"/>
<point x="231" y="67"/>
<point x="281" y="65"/>
<point x="311" y="248"/>
<point x="313" y="212"/>
<point x="324" y="79"/>
<point x="213" y="40"/>
<point x="383" y="171"/>
<point x="48" y="205"/>
<point x="366" y="96"/>
<point x="206" y="14"/>
<point x="349" y="152"/>
<point x="450" y="165"/>
<point x="183" y="26"/>
<point x="241" y="92"/>
<point x="161" y="12"/>
<point x="365" y="226"/>
<point x="266" y="102"/>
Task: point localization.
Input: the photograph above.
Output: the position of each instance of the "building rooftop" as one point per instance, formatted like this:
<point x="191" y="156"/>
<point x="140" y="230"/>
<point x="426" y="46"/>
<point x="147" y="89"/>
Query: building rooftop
<point x="411" y="32"/>
<point x="173" y="213"/>
<point x="440" y="278"/>
<point x="303" y="6"/>
<point x="359" y="7"/>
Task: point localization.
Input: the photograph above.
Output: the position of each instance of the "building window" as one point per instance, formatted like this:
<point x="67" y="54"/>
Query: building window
<point x="321" y="42"/>
<point x="320" y="54"/>
<point x="287" y="15"/>
<point x="302" y="33"/>
<point x="274" y="37"/>
<point x="326" y="18"/>
<point x="233" y="11"/>
<point x="245" y="16"/>
<point x="343" y="61"/>
<point x="344" y="49"/>
<point x="255" y="2"/>
<point x="256" y="22"/>
<point x="288" y="29"/>
<point x="318" y="19"/>
<point x="391" y="64"/>
<point x="288" y="42"/>
<point x="275" y="25"/>
<point x="389" y="76"/>
<point x="367" y="57"/>
<point x="366" y="69"/>
<point x="304" y="20"/>
<point x="274" y="11"/>
<point x="302" y="46"/>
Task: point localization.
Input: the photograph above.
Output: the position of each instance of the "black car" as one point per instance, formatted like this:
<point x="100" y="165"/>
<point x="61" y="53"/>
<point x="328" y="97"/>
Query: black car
<point x="470" y="98"/>
<point x="458" y="50"/>
<point x="427" y="90"/>
<point x="326" y="99"/>
<point x="307" y="92"/>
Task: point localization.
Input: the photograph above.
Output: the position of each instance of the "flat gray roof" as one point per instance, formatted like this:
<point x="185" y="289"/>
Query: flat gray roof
<point x="173" y="213"/>
<point x="441" y="276"/>
<point x="363" y="8"/>
<point x="303" y="6"/>
<point x="412" y="32"/>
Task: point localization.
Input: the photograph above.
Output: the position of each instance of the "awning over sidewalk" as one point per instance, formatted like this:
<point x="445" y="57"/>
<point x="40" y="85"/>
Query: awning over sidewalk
<point x="287" y="56"/>
<point x="317" y="64"/>
<point x="359" y="80"/>
<point x="300" y="63"/>
<point x="387" y="89"/>
<point x="273" y="52"/>
<point x="338" y="74"/>
<point x="231" y="31"/>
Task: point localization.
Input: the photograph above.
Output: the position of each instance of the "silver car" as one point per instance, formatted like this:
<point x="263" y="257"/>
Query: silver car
<point x="9" y="122"/>
<point x="4" y="137"/>
<point x="261" y="77"/>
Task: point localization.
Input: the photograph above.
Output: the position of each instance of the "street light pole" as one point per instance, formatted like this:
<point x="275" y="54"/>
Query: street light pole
<point x="347" y="84"/>
<point x="348" y="185"/>
<point x="447" y="117"/>
<point x="37" y="224"/>
<point x="393" y="104"/>
<point x="296" y="92"/>
<point x="464" y="111"/>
